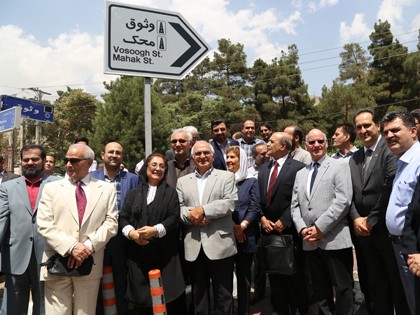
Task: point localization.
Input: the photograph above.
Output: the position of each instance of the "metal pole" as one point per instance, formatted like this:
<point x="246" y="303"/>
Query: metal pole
<point x="147" y="117"/>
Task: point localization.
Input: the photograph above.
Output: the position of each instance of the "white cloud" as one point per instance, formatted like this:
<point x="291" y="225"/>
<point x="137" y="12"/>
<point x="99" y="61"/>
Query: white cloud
<point x="392" y="10"/>
<point x="315" y="6"/>
<point x="358" y="31"/>
<point x="71" y="58"/>
<point x="415" y="23"/>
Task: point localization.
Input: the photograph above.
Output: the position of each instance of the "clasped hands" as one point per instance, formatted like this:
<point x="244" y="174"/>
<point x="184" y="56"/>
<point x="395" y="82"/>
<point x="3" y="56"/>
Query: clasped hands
<point x="361" y="227"/>
<point x="311" y="234"/>
<point x="268" y="226"/>
<point x="413" y="263"/>
<point x="79" y="253"/>
<point x="142" y="235"/>
<point x="197" y="216"/>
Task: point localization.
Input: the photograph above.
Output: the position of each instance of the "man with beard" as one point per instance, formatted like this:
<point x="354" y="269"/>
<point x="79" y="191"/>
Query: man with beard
<point x="221" y="142"/>
<point x="21" y="245"/>
<point x="115" y="252"/>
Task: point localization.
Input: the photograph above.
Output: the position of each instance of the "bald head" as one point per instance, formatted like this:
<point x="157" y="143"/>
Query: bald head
<point x="279" y="145"/>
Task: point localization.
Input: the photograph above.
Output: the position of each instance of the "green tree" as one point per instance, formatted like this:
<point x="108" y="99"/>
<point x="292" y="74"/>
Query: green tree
<point x="74" y="112"/>
<point x="354" y="64"/>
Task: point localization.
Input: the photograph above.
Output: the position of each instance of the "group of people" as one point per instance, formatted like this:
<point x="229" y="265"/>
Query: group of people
<point x="197" y="212"/>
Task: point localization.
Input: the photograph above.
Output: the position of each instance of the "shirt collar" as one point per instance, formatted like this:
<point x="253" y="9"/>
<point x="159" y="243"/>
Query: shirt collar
<point x="373" y="147"/>
<point x="36" y="183"/>
<point x="205" y="175"/>
<point x="410" y="153"/>
<point x="319" y="161"/>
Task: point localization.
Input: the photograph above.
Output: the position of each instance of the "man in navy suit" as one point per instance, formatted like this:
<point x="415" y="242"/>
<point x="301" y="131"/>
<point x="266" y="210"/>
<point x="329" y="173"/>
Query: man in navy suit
<point x="221" y="142"/>
<point x="115" y="253"/>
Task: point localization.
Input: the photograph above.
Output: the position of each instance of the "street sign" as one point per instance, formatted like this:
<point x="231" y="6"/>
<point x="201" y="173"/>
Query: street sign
<point x="10" y="119"/>
<point x="30" y="109"/>
<point x="150" y="43"/>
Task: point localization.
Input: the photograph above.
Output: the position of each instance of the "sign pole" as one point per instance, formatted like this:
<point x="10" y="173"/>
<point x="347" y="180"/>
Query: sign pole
<point x="147" y="117"/>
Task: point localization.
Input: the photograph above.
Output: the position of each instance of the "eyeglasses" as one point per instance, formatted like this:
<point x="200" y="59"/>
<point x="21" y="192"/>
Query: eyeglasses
<point x="73" y="161"/>
<point x="182" y="141"/>
<point x="155" y="166"/>
<point x="219" y="129"/>
<point x="202" y="152"/>
<point x="312" y="142"/>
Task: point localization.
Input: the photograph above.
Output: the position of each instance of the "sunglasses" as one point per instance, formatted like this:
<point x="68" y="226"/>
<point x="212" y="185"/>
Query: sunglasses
<point x="73" y="161"/>
<point x="219" y="129"/>
<point x="312" y="142"/>
<point x="174" y="141"/>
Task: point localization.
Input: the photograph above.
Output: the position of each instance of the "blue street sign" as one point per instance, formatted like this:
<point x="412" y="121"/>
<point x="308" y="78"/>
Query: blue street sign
<point x="10" y="119"/>
<point x="30" y="109"/>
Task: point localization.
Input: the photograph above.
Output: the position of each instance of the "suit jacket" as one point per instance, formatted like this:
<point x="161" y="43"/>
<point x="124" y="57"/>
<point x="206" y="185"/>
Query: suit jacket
<point x="58" y="220"/>
<point x="8" y="176"/>
<point x="129" y="181"/>
<point x="220" y="195"/>
<point x="281" y="197"/>
<point x="219" y="160"/>
<point x="327" y="206"/>
<point x="371" y="193"/>
<point x="18" y="229"/>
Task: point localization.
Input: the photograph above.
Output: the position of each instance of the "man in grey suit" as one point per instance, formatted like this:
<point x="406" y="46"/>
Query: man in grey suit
<point x="207" y="198"/>
<point x="21" y="245"/>
<point x="320" y="203"/>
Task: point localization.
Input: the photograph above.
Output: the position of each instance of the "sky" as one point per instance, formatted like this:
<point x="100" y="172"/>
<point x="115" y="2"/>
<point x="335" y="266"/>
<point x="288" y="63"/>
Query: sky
<point x="52" y="44"/>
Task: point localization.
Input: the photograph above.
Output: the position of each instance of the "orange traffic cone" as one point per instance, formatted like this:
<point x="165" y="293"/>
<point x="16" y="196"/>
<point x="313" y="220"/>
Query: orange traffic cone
<point x="108" y="292"/>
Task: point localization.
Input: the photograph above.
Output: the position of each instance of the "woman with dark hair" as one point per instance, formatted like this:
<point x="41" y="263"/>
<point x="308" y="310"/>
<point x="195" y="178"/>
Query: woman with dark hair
<point x="149" y="219"/>
<point x="245" y="223"/>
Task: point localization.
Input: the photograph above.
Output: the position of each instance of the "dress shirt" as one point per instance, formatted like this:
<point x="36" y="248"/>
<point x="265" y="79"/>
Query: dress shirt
<point x="338" y="155"/>
<point x="247" y="146"/>
<point x="116" y="181"/>
<point x="280" y="162"/>
<point x="201" y="183"/>
<point x="308" y="185"/>
<point x="408" y="170"/>
<point x="33" y="191"/>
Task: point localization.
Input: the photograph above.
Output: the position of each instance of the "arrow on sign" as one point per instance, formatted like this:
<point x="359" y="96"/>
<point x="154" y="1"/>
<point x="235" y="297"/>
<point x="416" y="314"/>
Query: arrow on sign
<point x="194" y="47"/>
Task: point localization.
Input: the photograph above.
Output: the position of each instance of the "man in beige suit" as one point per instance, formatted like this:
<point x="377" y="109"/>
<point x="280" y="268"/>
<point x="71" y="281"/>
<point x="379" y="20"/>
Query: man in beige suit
<point x="207" y="198"/>
<point x="76" y="217"/>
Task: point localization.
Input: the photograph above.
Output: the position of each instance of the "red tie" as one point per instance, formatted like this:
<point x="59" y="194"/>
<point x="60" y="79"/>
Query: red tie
<point x="80" y="200"/>
<point x="273" y="179"/>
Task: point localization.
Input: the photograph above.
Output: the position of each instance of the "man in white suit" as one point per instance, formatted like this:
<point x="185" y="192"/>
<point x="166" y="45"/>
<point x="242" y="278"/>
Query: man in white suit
<point x="321" y="200"/>
<point x="207" y="198"/>
<point x="76" y="233"/>
<point x="21" y="245"/>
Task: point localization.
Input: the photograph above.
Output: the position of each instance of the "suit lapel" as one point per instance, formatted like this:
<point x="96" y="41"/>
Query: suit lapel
<point x="68" y="192"/>
<point x="210" y="184"/>
<point x="24" y="193"/>
<point x="304" y="184"/>
<point x="373" y="160"/>
<point x="321" y="171"/>
<point x="95" y="194"/>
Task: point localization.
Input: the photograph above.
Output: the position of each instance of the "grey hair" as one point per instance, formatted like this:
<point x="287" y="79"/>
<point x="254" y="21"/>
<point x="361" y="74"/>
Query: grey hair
<point x="88" y="152"/>
<point x="190" y="129"/>
<point x="201" y="141"/>
<point x="189" y="135"/>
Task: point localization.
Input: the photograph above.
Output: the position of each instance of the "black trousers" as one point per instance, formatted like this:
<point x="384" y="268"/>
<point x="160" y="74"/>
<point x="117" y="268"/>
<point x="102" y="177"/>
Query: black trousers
<point x="220" y="272"/>
<point x="243" y="263"/>
<point x="331" y="271"/>
<point x="385" y="287"/>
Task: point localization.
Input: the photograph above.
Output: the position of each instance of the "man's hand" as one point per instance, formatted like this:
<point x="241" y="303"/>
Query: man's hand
<point x="267" y="225"/>
<point x="312" y="234"/>
<point x="79" y="253"/>
<point x="413" y="264"/>
<point x="279" y="226"/>
<point x="196" y="215"/>
<point x="361" y="227"/>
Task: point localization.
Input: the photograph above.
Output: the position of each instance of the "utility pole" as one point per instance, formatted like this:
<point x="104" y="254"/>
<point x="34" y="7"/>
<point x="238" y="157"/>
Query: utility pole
<point x="38" y="97"/>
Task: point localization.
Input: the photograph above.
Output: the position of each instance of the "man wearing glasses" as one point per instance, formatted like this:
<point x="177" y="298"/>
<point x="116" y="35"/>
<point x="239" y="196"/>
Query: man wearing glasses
<point x="207" y="198"/>
<point x="77" y="217"/>
<point x="221" y="142"/>
<point x="21" y="245"/>
<point x="320" y="203"/>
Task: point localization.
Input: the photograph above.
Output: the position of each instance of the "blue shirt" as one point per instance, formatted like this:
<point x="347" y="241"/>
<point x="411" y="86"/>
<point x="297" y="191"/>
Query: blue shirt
<point x="408" y="170"/>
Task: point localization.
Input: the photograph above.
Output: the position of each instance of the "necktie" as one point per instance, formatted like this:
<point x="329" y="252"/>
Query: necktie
<point x="80" y="200"/>
<point x="273" y="179"/>
<point x="368" y="157"/>
<point x="314" y="173"/>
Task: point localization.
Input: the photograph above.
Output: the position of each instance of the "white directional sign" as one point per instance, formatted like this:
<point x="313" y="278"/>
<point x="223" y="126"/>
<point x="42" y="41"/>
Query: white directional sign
<point x="151" y="43"/>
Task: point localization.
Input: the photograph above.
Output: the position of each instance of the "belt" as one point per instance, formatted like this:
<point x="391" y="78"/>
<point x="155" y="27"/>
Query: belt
<point x="396" y="239"/>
